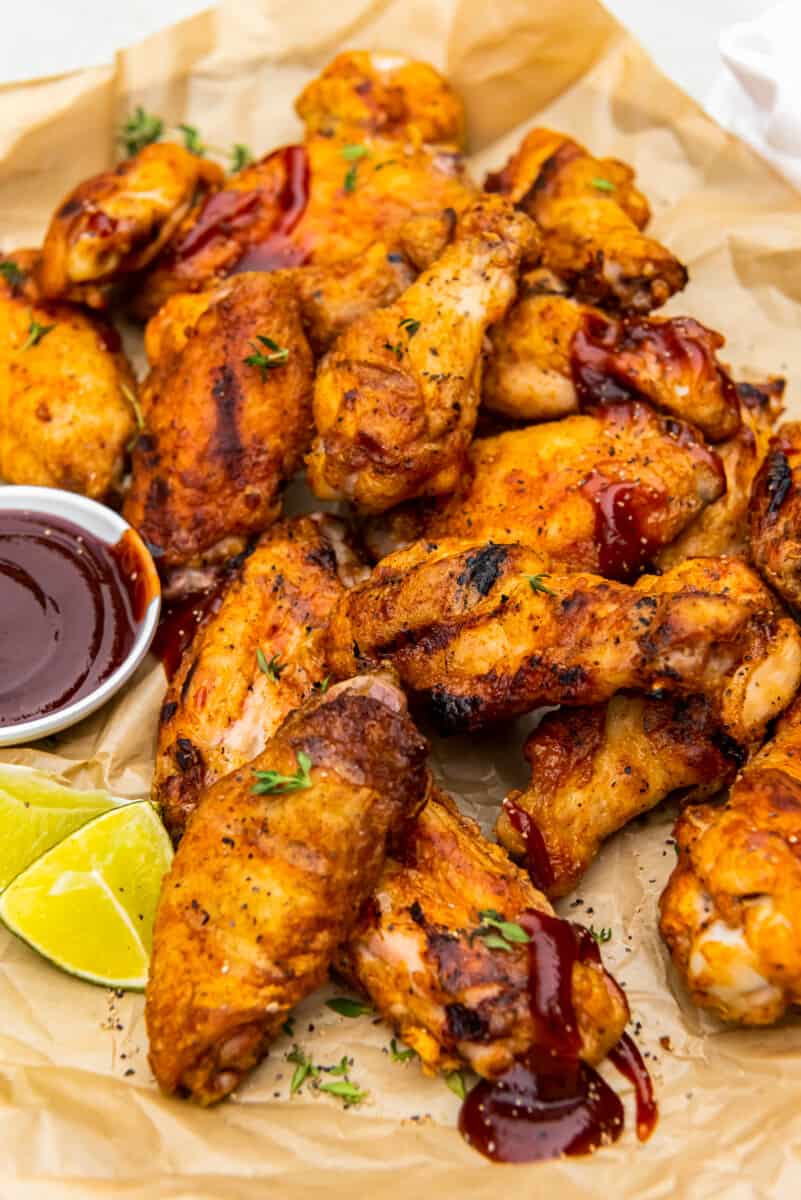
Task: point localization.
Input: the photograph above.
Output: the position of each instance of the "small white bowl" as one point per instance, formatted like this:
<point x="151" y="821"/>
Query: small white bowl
<point x="108" y="527"/>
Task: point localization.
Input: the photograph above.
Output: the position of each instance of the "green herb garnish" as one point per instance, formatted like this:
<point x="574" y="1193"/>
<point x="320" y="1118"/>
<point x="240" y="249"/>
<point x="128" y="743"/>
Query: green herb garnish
<point x="455" y="1081"/>
<point x="497" y="933"/>
<point x="36" y="332"/>
<point x="354" y="152"/>
<point x="271" y="783"/>
<point x="140" y="130"/>
<point x="276" y="356"/>
<point x="192" y="139"/>
<point x="601" y="935"/>
<point x="289" y="1026"/>
<point x="400" y="1055"/>
<point x="273" y="668"/>
<point x="304" y="1069"/>
<point x="349" y="1008"/>
<point x="397" y="349"/>
<point x="536" y="584"/>
<point x="345" y="1090"/>
<point x="12" y="273"/>
<point x="322" y="685"/>
<point x="410" y="325"/>
<point x="603" y="185"/>
<point x="241" y="157"/>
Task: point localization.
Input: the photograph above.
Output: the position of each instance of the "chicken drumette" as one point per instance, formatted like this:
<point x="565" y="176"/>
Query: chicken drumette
<point x="731" y="912"/>
<point x="269" y="878"/>
<point x="775" y="514"/>
<point x="480" y="633"/>
<point x="591" y="216"/>
<point x="419" y="951"/>
<point x="227" y="413"/>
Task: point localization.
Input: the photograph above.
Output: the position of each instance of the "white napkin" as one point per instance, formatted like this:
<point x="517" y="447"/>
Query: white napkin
<point x="759" y="97"/>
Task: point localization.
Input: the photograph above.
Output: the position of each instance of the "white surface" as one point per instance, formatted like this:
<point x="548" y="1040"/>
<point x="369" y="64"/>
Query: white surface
<point x="45" y="37"/>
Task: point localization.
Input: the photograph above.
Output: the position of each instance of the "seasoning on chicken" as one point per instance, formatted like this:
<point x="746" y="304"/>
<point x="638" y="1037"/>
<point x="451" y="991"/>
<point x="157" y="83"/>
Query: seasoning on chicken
<point x="269" y="878"/>
<point x="480" y="633"/>
<point x="730" y="913"/>
<point x="395" y="401"/>
<point x="722" y="527"/>
<point x="595" y="769"/>
<point x="552" y="356"/>
<point x="775" y="514"/>
<point x="431" y="967"/>
<point x="602" y="493"/>
<point x="257" y="657"/>
<point x="115" y="223"/>
<point x="227" y="418"/>
<point x="591" y="215"/>
<point x="67" y="392"/>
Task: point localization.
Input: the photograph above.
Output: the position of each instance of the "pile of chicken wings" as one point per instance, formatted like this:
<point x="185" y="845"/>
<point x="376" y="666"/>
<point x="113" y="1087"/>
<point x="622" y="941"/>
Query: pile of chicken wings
<point x="541" y="493"/>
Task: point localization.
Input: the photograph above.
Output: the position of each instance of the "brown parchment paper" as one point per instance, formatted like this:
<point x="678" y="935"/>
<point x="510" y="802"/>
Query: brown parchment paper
<point x="80" y="1116"/>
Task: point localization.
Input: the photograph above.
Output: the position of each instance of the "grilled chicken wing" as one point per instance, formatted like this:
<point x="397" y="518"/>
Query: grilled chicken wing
<point x="264" y="887"/>
<point x="591" y="216"/>
<point x="553" y="355"/>
<point x="722" y="527"/>
<point x="395" y="401"/>
<point x="418" y="953"/>
<point x="254" y="660"/>
<point x="115" y="223"/>
<point x="66" y="394"/>
<point x="595" y="769"/>
<point x="482" y="632"/>
<point x="601" y="493"/>
<point x="731" y="912"/>
<point x="222" y="433"/>
<point x="775" y="514"/>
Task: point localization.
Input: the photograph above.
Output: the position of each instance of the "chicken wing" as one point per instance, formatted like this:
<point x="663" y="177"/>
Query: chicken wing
<point x="115" y="223"/>
<point x="602" y="493"/>
<point x="774" y="514"/>
<point x="419" y="952"/>
<point x="269" y="878"/>
<point x="722" y="527"/>
<point x="731" y="911"/>
<point x="591" y="215"/>
<point x="254" y="660"/>
<point x="227" y="418"/>
<point x="595" y="769"/>
<point x="481" y="633"/>
<point x="395" y="401"/>
<point x="552" y="355"/>
<point x="67" y="393"/>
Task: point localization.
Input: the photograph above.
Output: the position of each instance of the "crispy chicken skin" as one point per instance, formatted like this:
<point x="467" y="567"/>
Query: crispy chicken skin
<point x="591" y="216"/>
<point x="601" y="493"/>
<point x="414" y="951"/>
<point x="382" y="93"/>
<point x="222" y="435"/>
<point x="263" y="888"/>
<point x="115" y="223"/>
<point x="222" y="706"/>
<point x="594" y="769"/>
<point x="396" y="399"/>
<point x="66" y="396"/>
<point x="774" y="514"/>
<point x="722" y="527"/>
<point x="552" y="355"/>
<point x="730" y="913"/>
<point x="480" y="633"/>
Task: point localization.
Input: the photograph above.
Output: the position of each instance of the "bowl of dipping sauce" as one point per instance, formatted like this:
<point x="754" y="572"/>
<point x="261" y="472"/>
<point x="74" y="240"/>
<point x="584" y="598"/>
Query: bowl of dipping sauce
<point x="79" y="604"/>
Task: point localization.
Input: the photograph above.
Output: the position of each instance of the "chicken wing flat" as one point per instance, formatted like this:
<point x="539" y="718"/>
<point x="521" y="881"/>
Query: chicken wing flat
<point x="602" y="493"/>
<point x="731" y="912"/>
<point x="115" y="223"/>
<point x="396" y="399"/>
<point x="254" y="660"/>
<point x="553" y="355"/>
<point x="595" y="769"/>
<point x="227" y="418"/>
<point x="480" y="633"/>
<point x="774" y="514"/>
<point x="419" y="952"/>
<point x="591" y="216"/>
<point x="66" y="394"/>
<point x="722" y="527"/>
<point x="269" y="878"/>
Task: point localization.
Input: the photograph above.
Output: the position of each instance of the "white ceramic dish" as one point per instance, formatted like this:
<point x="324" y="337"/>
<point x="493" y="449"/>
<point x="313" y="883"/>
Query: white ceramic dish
<point x="109" y="527"/>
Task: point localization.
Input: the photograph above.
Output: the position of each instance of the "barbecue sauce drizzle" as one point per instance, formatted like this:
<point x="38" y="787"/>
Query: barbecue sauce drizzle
<point x="538" y="862"/>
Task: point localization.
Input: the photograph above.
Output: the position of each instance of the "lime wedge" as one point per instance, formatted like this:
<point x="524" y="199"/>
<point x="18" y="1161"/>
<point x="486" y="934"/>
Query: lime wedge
<point x="88" y="904"/>
<point x="37" y="812"/>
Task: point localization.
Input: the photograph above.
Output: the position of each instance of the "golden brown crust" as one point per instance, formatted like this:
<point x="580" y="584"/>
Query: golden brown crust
<point x="449" y="995"/>
<point x="221" y="436"/>
<point x="774" y="514"/>
<point x="263" y="888"/>
<point x="731" y="911"/>
<point x="222" y="706"/>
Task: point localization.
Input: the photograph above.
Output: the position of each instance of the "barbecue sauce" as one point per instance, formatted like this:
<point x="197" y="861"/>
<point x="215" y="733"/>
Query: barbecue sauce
<point x="278" y="250"/>
<point x="180" y="621"/>
<point x="538" y="862"/>
<point x="70" y="605"/>
<point x="622" y="514"/>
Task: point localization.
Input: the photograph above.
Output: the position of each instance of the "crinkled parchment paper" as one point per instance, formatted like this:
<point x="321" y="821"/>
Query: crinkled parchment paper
<point x="80" y="1116"/>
